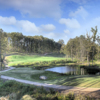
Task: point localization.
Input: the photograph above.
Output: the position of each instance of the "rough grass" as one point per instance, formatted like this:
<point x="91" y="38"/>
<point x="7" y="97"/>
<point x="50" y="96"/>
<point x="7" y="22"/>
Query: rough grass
<point x="17" y="91"/>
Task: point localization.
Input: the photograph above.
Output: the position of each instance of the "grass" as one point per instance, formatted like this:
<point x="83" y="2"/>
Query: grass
<point x="55" y="78"/>
<point x="27" y="58"/>
<point x="36" y="60"/>
<point x="91" y="82"/>
<point x="17" y="91"/>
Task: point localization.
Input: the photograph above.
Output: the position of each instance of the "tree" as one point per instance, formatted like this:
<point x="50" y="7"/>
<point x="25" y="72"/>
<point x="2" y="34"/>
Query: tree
<point x="3" y="46"/>
<point x="88" y="45"/>
<point x="61" y="41"/>
<point x="94" y="38"/>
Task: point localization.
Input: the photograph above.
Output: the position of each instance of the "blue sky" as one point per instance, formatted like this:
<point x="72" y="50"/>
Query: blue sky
<point x="55" y="19"/>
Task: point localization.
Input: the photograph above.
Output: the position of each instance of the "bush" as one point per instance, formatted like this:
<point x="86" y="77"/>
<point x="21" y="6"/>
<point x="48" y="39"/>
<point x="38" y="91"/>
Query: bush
<point x="27" y="97"/>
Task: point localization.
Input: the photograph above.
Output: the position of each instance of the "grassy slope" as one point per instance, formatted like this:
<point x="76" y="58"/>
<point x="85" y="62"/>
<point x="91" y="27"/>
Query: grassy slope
<point x="17" y="59"/>
<point x="54" y="78"/>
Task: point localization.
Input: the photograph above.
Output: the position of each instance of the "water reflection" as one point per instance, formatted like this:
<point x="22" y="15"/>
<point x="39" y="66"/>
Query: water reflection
<point x="71" y="70"/>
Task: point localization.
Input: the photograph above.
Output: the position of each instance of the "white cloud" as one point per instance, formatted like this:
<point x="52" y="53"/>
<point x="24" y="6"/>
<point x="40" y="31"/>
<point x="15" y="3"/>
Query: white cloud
<point x="79" y="12"/>
<point x="7" y="20"/>
<point x="57" y="36"/>
<point x="66" y="31"/>
<point x="35" y="8"/>
<point x="25" y="25"/>
<point x="48" y="27"/>
<point x="70" y="23"/>
<point x="97" y="19"/>
<point x="51" y="34"/>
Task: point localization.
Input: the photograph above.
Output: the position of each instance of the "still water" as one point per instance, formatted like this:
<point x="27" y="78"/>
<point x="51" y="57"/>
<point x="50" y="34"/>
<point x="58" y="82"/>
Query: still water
<point x="68" y="69"/>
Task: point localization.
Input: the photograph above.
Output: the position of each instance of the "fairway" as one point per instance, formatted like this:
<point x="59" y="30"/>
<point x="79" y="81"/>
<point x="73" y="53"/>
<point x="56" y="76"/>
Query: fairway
<point x="27" y="58"/>
<point x="17" y="59"/>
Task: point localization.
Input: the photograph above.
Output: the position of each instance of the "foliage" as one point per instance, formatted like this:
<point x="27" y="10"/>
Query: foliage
<point x="3" y="47"/>
<point x="32" y="44"/>
<point x="82" y="47"/>
<point x="19" y="91"/>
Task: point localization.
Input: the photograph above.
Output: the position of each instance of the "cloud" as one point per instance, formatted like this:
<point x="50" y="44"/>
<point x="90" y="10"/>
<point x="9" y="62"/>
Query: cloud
<point x="66" y="31"/>
<point x="80" y="1"/>
<point x="79" y="12"/>
<point x="97" y="19"/>
<point x="51" y="34"/>
<point x="25" y="25"/>
<point x="70" y="23"/>
<point x="57" y="36"/>
<point x="35" y="8"/>
<point x="7" y="20"/>
<point x="48" y="27"/>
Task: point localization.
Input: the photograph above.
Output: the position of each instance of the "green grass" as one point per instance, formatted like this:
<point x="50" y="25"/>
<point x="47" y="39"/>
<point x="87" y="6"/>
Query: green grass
<point x="29" y="58"/>
<point x="54" y="78"/>
<point x="35" y="60"/>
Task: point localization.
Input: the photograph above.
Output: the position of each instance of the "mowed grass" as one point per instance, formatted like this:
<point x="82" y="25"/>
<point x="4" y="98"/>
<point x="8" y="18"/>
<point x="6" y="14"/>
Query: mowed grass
<point x="33" y="75"/>
<point x="17" y="59"/>
<point x="92" y="81"/>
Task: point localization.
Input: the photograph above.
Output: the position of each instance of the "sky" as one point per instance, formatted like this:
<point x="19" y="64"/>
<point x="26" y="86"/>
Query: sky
<point x="54" y="19"/>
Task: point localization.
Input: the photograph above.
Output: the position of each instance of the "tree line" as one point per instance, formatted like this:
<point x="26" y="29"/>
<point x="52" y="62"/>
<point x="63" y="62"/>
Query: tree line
<point x="31" y="44"/>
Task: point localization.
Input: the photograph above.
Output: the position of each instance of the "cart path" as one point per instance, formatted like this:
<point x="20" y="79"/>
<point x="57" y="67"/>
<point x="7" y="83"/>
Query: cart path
<point x="9" y="68"/>
<point x="60" y="87"/>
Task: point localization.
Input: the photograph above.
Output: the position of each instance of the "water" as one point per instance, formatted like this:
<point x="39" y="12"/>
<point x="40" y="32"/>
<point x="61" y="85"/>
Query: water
<point x="68" y="69"/>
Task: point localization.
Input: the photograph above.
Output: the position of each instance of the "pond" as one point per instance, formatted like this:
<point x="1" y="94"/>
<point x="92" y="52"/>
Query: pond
<point x="68" y="69"/>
